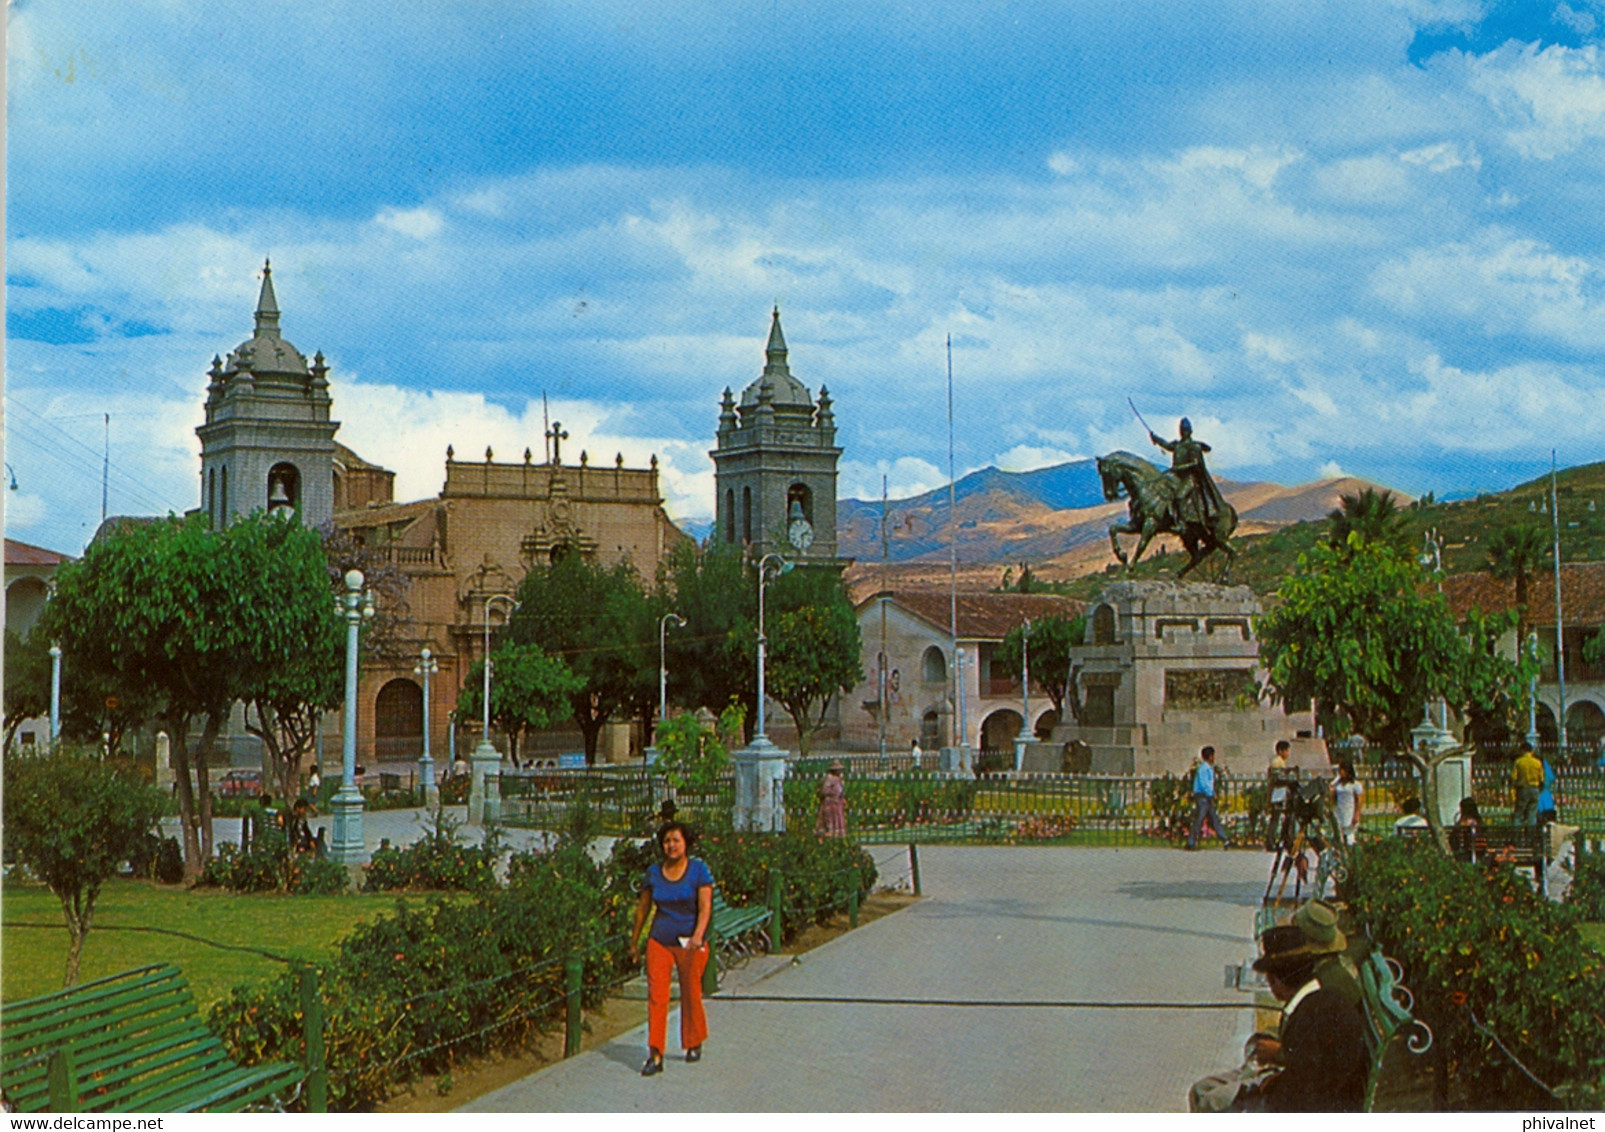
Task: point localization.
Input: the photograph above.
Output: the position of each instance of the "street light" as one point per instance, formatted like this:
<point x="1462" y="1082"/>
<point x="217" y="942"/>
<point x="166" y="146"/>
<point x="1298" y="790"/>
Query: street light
<point x="484" y="803"/>
<point x="427" y="667"/>
<point x="1025" y="694"/>
<point x="356" y="605"/>
<point x="763" y="583"/>
<point x="663" y="663"/>
<point x="1532" y="691"/>
<point x="55" y="692"/>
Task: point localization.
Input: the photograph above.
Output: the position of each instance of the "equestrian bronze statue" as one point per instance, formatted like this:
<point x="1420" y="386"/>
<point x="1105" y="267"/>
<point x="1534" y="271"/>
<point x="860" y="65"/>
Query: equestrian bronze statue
<point x="1183" y="501"/>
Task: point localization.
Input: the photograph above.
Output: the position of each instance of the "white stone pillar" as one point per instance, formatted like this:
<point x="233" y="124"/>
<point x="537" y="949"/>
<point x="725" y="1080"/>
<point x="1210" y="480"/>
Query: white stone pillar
<point x="760" y="787"/>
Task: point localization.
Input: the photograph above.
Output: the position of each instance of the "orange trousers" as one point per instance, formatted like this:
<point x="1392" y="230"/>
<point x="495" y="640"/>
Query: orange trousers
<point x="660" y="961"/>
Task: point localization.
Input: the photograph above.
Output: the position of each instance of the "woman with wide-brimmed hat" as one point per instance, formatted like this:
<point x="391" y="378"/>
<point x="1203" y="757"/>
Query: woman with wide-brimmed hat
<point x="832" y="820"/>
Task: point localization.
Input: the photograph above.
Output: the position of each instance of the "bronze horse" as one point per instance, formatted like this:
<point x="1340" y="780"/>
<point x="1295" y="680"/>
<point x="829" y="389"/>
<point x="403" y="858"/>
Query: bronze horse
<point x="1155" y="508"/>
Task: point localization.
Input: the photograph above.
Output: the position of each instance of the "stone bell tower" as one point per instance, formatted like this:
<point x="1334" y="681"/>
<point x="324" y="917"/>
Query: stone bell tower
<point x="268" y="442"/>
<point x="775" y="464"/>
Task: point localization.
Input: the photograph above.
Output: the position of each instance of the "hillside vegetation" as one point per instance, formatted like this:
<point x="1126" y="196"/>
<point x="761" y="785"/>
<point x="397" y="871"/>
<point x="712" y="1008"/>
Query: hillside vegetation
<point x="1463" y="526"/>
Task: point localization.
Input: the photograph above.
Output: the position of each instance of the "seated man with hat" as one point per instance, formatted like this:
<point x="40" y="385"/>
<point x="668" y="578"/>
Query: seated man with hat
<point x="1322" y="1054"/>
<point x="1321" y="1048"/>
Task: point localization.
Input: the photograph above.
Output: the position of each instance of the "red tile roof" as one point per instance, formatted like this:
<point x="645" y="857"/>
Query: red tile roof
<point x="1582" y="592"/>
<point x="981" y="616"/>
<point x="21" y="554"/>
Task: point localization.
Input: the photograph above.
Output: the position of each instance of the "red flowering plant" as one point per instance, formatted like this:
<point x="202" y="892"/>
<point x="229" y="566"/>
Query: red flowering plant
<point x="1477" y="942"/>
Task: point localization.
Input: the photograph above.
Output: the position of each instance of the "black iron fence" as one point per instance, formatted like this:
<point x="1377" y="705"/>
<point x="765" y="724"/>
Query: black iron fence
<point x="891" y="803"/>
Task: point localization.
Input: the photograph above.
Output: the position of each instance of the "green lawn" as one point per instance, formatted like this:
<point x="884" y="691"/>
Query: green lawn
<point x="1594" y="934"/>
<point x="32" y="959"/>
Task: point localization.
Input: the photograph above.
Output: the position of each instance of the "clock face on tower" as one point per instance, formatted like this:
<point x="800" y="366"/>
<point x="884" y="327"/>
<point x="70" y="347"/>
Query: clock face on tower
<point x="801" y="534"/>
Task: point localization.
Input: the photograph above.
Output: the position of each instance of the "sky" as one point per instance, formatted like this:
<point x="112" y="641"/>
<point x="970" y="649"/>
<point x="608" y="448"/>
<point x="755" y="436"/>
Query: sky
<point x="1357" y="238"/>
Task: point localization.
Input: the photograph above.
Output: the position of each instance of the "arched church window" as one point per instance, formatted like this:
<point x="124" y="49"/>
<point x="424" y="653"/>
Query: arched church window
<point x="283" y="488"/>
<point x="211" y="495"/>
<point x="746" y="514"/>
<point x="730" y="515"/>
<point x="799" y="503"/>
<point x="933" y="668"/>
<point x="222" y="509"/>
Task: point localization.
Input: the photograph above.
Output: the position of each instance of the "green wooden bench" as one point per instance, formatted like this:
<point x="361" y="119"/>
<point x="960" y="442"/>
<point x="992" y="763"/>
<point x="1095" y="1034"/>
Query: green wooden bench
<point x="1387" y="1004"/>
<point x="132" y="1042"/>
<point x="733" y="926"/>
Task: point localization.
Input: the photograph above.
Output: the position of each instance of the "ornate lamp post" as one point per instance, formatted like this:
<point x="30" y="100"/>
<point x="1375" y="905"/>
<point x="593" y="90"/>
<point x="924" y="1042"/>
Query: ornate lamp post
<point x="55" y="692"/>
<point x="782" y="567"/>
<point x="1025" y="735"/>
<point x="356" y="605"/>
<point x="427" y="667"/>
<point x="663" y="669"/>
<point x="484" y="787"/>
<point x="1532" y="691"/>
<point x="760" y="765"/>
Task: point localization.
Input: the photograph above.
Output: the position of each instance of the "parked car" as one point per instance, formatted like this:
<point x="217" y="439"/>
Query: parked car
<point x="240" y="784"/>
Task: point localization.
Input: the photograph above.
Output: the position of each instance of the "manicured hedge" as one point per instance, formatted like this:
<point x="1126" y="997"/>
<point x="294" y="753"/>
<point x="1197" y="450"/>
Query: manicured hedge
<point x="1477" y="940"/>
<point x="415" y="992"/>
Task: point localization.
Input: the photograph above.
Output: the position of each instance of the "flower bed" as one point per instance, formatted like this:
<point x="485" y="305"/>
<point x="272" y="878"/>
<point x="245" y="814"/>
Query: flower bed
<point x="1486" y="958"/>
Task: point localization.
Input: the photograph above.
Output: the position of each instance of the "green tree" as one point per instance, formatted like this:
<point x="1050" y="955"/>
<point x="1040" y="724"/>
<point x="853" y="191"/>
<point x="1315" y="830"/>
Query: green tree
<point x="598" y="621"/>
<point x="193" y="620"/>
<point x="711" y="660"/>
<point x="529" y="691"/>
<point x="1593" y="649"/>
<point x="1516" y="552"/>
<point x="27" y="682"/>
<point x="691" y="756"/>
<point x="72" y="820"/>
<point x="1372" y="515"/>
<point x="1052" y="638"/>
<point x="1361" y="634"/>
<point x="814" y="647"/>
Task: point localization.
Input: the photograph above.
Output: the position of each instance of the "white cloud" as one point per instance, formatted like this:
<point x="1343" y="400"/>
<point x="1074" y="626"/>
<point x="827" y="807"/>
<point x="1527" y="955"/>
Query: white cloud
<point x="419" y="223"/>
<point x="1332" y="470"/>
<point x="906" y="476"/>
<point x="1502" y="284"/>
<point x="1443" y="157"/>
<point x="1063" y="164"/>
<point x="1553" y="99"/>
<point x="1026" y="457"/>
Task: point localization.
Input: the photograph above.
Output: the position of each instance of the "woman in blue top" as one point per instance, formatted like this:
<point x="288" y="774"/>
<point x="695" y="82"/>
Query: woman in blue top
<point x="681" y="888"/>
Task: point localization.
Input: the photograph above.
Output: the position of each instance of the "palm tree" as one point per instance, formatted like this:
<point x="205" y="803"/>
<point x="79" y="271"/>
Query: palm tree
<point x="1516" y="552"/>
<point x="1373" y="515"/>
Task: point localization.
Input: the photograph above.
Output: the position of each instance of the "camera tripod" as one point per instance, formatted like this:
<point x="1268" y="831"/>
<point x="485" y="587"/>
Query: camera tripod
<point x="1294" y="838"/>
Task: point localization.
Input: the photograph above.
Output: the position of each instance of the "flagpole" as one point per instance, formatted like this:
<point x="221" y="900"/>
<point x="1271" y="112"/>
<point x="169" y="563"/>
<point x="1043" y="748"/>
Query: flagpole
<point x="1560" y="620"/>
<point x="953" y="561"/>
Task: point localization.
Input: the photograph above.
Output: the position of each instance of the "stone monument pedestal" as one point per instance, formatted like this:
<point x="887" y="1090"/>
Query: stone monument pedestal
<point x="957" y="760"/>
<point x="164" y="763"/>
<point x="760" y="787"/>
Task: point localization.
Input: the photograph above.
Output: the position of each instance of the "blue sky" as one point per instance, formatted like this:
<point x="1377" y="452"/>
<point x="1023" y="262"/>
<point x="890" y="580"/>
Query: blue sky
<point x="1342" y="237"/>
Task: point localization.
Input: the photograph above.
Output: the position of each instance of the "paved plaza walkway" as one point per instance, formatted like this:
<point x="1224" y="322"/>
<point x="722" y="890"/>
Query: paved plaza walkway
<point x="1028" y="979"/>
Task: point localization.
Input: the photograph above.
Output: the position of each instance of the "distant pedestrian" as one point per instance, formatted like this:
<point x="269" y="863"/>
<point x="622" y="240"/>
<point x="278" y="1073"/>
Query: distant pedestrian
<point x="1546" y="797"/>
<point x="314" y="782"/>
<point x="1204" y="801"/>
<point x="832" y="803"/>
<point x="1348" y="802"/>
<point x="1527" y="775"/>
<point x="915" y="754"/>
<point x="1411" y="816"/>
<point x="680" y="890"/>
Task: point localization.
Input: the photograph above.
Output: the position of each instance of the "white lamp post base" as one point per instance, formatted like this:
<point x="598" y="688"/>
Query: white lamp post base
<point x="484" y="784"/>
<point x="347" y="844"/>
<point x="760" y="787"/>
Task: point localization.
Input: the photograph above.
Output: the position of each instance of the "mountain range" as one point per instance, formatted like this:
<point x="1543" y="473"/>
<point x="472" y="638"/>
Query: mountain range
<point x="1055" y="519"/>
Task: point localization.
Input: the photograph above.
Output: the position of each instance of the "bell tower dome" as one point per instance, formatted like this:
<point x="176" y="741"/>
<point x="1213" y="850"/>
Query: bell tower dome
<point x="775" y="463"/>
<point x="268" y="442"/>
